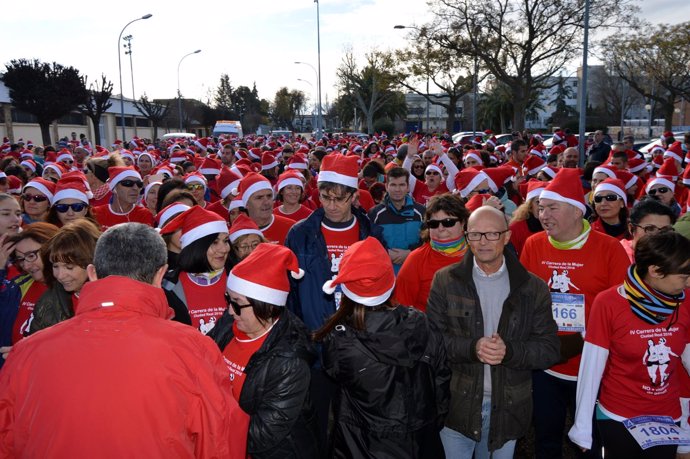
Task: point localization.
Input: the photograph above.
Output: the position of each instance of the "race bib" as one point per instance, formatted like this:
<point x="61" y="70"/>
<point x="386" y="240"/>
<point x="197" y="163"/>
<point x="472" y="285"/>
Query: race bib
<point x="568" y="311"/>
<point x="651" y="431"/>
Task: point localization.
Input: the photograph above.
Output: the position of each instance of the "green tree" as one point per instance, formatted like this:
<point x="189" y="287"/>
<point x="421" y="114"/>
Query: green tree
<point x="47" y="91"/>
<point x="97" y="103"/>
<point x="563" y="111"/>
<point x="522" y="43"/>
<point x="154" y="111"/>
<point x="286" y="106"/>
<point x="656" y="65"/>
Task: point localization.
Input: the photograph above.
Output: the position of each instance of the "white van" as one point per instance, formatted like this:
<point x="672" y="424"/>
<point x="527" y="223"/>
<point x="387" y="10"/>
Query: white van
<point x="178" y="135"/>
<point x="227" y="127"/>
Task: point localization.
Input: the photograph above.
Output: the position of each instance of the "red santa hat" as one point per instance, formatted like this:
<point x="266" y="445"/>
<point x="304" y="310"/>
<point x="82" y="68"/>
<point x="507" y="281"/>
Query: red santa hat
<point x="126" y="154"/>
<point x="120" y="173"/>
<point x="250" y="184"/>
<point x="636" y="164"/>
<point x="290" y="178"/>
<point x="557" y="149"/>
<point x="538" y="150"/>
<point x="668" y="170"/>
<point x="255" y="153"/>
<point x="476" y="201"/>
<point x="44" y="186"/>
<point x="59" y="168"/>
<point x="498" y="176"/>
<point x="268" y="161"/>
<point x="613" y="185"/>
<point x="467" y="180"/>
<point x="72" y="187"/>
<point x="195" y="223"/>
<point x="168" y="212"/>
<point x="675" y="151"/>
<point x="606" y="169"/>
<point x="297" y="161"/>
<point x="566" y="187"/>
<point x="14" y="184"/>
<point x="227" y="181"/>
<point x="533" y="164"/>
<point x="149" y="155"/>
<point x="262" y="275"/>
<point x="242" y="226"/>
<point x="433" y="167"/>
<point x="492" y="141"/>
<point x="659" y="181"/>
<point x="64" y="155"/>
<point x="29" y="164"/>
<point x="178" y="156"/>
<point x="667" y="135"/>
<point x="26" y="154"/>
<point x="339" y="169"/>
<point x="628" y="178"/>
<point x="534" y="189"/>
<point x="195" y="177"/>
<point x="236" y="203"/>
<point x="473" y="154"/>
<point x="365" y="275"/>
<point x="686" y="177"/>
<point x="210" y="166"/>
<point x="551" y="171"/>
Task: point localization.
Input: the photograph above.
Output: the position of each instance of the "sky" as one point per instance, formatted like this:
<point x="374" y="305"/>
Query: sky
<point x="254" y="41"/>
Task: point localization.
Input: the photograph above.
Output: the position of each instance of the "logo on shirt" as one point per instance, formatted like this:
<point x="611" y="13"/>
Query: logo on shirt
<point x="205" y="327"/>
<point x="656" y="358"/>
<point x="560" y="282"/>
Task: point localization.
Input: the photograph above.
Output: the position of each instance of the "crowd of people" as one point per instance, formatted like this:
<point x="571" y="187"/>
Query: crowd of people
<point x="400" y="296"/>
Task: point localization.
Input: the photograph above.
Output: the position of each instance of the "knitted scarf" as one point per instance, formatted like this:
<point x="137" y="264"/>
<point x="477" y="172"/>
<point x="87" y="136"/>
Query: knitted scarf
<point x="576" y="243"/>
<point x="652" y="306"/>
<point x="450" y="247"/>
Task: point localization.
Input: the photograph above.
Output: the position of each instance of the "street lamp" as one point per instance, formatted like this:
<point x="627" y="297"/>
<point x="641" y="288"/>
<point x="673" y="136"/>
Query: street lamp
<point x="648" y="107"/>
<point x="398" y="26"/>
<point x="583" y="88"/>
<point x="179" y="94"/>
<point x="319" y="123"/>
<point x="119" y="68"/>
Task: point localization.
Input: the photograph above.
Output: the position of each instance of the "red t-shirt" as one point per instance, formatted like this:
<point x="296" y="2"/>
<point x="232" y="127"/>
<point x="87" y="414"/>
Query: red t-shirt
<point x="300" y="214"/>
<point x="519" y="232"/>
<point x="600" y="264"/>
<point x="237" y="354"/>
<point x="277" y="230"/>
<point x="422" y="194"/>
<point x="206" y="303"/>
<point x="107" y="218"/>
<point x="414" y="278"/>
<point x="643" y="370"/>
<point x="338" y="240"/>
<point x="26" y="309"/>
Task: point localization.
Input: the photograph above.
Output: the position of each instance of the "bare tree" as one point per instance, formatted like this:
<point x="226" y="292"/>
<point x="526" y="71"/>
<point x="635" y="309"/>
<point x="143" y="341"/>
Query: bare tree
<point x="98" y="103"/>
<point x="153" y="111"/>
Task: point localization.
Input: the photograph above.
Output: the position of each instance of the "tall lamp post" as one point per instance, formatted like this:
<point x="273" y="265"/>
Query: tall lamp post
<point x="319" y="123"/>
<point x="583" y="88"/>
<point x="427" y="127"/>
<point x="119" y="68"/>
<point x="319" y="132"/>
<point x="179" y="94"/>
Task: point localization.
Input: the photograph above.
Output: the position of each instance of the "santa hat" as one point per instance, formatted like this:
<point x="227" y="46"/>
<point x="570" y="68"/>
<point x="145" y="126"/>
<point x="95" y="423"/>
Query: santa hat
<point x="262" y="275"/>
<point x="558" y="136"/>
<point x="538" y="150"/>
<point x="14" y="184"/>
<point x="636" y="164"/>
<point x="195" y="223"/>
<point x="236" y="203"/>
<point x="686" y="176"/>
<point x="534" y="189"/>
<point x="467" y="180"/>
<point x="433" y="167"/>
<point x="149" y="155"/>
<point x="178" y="156"/>
<point x="474" y="154"/>
<point x="492" y="141"/>
<point x="659" y="181"/>
<point x="120" y="173"/>
<point x="628" y="178"/>
<point x="551" y="171"/>
<point x="606" y="169"/>
<point x="227" y="181"/>
<point x="72" y="187"/>
<point x="168" y="212"/>
<point x="365" y="275"/>
<point x="290" y="178"/>
<point x="498" y="176"/>
<point x="476" y="201"/>
<point x="339" y="169"/>
<point x="250" y="184"/>
<point x="268" y="161"/>
<point x="59" y="168"/>
<point x="668" y="170"/>
<point x="675" y="151"/>
<point x="64" y="155"/>
<point x="210" y="166"/>
<point x="297" y="161"/>
<point x="566" y="187"/>
<point x="29" y="164"/>
<point x="44" y="186"/>
<point x="667" y="135"/>
<point x="557" y="149"/>
<point x="255" y="153"/>
<point x="195" y="177"/>
<point x="613" y="185"/>
<point x="242" y="226"/>
<point x="126" y="154"/>
<point x="26" y="154"/>
<point x="532" y="165"/>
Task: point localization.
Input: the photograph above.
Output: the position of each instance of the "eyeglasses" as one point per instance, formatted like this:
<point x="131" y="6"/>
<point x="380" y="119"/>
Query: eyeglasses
<point x="432" y="173"/>
<point x="335" y="199"/>
<point x="34" y="198"/>
<point x="608" y="197"/>
<point x="446" y="222"/>
<point x="194" y="186"/>
<point x="247" y="247"/>
<point x="77" y="207"/>
<point x="484" y="191"/>
<point x="475" y="236"/>
<point x="660" y="190"/>
<point x="236" y="308"/>
<point x="131" y="183"/>
<point x="29" y="257"/>
<point x="67" y="161"/>
<point x="652" y="229"/>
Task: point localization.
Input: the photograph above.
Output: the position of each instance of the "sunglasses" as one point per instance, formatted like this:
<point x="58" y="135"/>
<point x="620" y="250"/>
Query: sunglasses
<point x="660" y="190"/>
<point x="484" y="191"/>
<point x="77" y="207"/>
<point x="194" y="186"/>
<point x="432" y="173"/>
<point x="236" y="308"/>
<point x="34" y="198"/>
<point x="446" y="222"/>
<point x="131" y="183"/>
<point x="608" y="197"/>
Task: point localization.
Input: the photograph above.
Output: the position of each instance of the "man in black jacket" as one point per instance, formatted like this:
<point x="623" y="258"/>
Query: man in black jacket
<point x="497" y="324"/>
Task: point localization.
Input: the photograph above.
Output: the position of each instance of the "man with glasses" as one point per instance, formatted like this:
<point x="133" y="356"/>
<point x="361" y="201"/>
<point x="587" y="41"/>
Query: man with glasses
<point x="648" y="216"/>
<point x="496" y="320"/>
<point x="319" y="241"/>
<point x="126" y="186"/>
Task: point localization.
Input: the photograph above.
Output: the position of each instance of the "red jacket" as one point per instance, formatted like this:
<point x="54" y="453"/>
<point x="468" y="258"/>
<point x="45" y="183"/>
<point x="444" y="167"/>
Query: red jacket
<point x="119" y="380"/>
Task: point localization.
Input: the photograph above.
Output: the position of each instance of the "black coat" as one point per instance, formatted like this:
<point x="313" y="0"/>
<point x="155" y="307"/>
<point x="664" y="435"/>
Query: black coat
<point x="393" y="386"/>
<point x="275" y="393"/>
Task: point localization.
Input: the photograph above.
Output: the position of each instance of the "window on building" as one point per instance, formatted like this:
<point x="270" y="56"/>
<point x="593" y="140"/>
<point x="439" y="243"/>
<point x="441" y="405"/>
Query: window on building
<point x="143" y="122"/>
<point x="73" y="118"/>
<point x="19" y="116"/>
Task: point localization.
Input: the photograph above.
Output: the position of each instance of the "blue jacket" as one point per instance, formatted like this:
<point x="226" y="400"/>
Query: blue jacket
<point x="400" y="227"/>
<point x="307" y="300"/>
<point x="10" y="297"/>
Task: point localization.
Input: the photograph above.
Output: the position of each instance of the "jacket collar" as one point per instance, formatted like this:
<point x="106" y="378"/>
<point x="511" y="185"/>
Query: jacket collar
<point x="407" y="208"/>
<point x="123" y="293"/>
<point x="517" y="274"/>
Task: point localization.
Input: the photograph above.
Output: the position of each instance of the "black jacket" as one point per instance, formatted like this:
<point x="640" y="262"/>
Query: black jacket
<point x="174" y="292"/>
<point x="54" y="306"/>
<point x="528" y="330"/>
<point x="275" y="393"/>
<point x="393" y="381"/>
